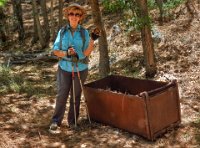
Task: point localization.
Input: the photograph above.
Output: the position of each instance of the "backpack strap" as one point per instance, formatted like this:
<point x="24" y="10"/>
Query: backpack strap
<point x="64" y="29"/>
<point x="82" y="32"/>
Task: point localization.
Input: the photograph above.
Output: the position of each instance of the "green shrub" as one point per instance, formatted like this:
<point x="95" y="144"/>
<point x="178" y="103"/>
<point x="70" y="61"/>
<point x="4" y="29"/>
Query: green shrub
<point x="197" y="123"/>
<point x="172" y="4"/>
<point x="138" y="22"/>
<point x="151" y="4"/>
<point x="12" y="82"/>
<point x="2" y="2"/>
<point x="114" y="6"/>
<point x="9" y="81"/>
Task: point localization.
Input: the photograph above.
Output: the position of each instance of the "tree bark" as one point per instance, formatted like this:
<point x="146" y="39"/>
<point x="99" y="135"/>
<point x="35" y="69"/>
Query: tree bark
<point x="39" y="28"/>
<point x="160" y="6"/>
<point x="104" y="67"/>
<point x="35" y="34"/>
<point x="147" y="42"/>
<point x="60" y="21"/>
<point x="17" y="9"/>
<point x="3" y="36"/>
<point x="53" y="33"/>
<point x="46" y="21"/>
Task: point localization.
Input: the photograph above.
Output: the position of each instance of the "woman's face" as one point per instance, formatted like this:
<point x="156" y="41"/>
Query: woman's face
<point x="74" y="17"/>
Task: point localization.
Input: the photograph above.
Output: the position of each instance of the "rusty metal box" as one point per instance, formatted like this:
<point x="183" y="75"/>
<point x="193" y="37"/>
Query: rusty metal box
<point x="144" y="107"/>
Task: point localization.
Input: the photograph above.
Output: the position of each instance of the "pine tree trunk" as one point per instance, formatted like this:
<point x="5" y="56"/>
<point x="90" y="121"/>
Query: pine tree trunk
<point x="147" y="42"/>
<point x="3" y="36"/>
<point x="39" y="29"/>
<point x="160" y="6"/>
<point x="46" y="21"/>
<point x="35" y="32"/>
<point x="53" y="33"/>
<point x="104" y="67"/>
<point x="60" y="21"/>
<point x="17" y="9"/>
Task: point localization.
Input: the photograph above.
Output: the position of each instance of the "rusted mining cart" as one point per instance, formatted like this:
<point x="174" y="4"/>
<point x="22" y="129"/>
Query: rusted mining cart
<point x="144" y="107"/>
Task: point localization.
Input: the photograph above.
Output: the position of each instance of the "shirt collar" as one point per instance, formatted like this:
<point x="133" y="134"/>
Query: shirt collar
<point x="77" y="29"/>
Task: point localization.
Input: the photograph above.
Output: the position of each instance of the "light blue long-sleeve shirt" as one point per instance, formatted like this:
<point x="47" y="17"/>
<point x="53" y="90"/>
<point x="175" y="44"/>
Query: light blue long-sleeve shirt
<point x="76" y="42"/>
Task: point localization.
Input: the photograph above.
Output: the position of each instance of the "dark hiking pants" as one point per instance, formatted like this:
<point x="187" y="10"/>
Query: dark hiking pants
<point x="64" y="82"/>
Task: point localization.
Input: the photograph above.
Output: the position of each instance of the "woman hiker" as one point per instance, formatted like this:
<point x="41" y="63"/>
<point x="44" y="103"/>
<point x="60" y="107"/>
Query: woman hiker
<point x="72" y="46"/>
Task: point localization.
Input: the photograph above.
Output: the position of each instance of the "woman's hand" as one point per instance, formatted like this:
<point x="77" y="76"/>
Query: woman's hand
<point x="59" y="53"/>
<point x="95" y="34"/>
<point x="71" y="51"/>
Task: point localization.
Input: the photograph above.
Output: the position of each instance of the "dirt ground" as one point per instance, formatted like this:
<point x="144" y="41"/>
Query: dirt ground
<point x="24" y="119"/>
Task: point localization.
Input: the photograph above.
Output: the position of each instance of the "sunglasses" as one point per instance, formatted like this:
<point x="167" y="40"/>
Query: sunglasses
<point x="74" y="14"/>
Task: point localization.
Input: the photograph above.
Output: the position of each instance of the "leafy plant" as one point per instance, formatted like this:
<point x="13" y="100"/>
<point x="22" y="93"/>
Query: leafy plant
<point x="114" y="6"/>
<point x="172" y="4"/>
<point x="14" y="82"/>
<point x="138" y="22"/>
<point x="2" y="2"/>
<point x="129" y="9"/>
<point x="151" y="4"/>
<point x="10" y="82"/>
<point x="196" y="124"/>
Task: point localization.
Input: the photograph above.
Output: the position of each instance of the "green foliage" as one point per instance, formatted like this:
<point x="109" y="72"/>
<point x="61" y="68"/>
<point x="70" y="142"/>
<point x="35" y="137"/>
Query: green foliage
<point x="138" y="22"/>
<point x="2" y="2"/>
<point x="129" y="10"/>
<point x="172" y="4"/>
<point x="151" y="4"/>
<point x="196" y="124"/>
<point x="12" y="82"/>
<point x="9" y="82"/>
<point x="131" y="19"/>
<point x="114" y="6"/>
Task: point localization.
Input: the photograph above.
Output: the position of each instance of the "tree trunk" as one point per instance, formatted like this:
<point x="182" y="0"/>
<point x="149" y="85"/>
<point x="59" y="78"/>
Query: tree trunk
<point x="104" y="67"/>
<point x="3" y="36"/>
<point x="147" y="42"/>
<point x="35" y="33"/>
<point x="46" y="21"/>
<point x="60" y="21"/>
<point x="17" y="9"/>
<point x="53" y="33"/>
<point x="39" y="29"/>
<point x="160" y="6"/>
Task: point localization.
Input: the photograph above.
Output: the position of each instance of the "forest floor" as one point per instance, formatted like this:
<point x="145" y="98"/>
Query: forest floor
<point x="25" y="117"/>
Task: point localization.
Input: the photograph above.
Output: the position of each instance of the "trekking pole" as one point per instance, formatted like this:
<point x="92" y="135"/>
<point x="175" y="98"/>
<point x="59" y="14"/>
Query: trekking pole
<point x="74" y="93"/>
<point x="79" y="77"/>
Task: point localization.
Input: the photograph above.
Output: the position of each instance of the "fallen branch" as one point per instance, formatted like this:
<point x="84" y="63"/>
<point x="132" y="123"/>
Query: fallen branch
<point x="11" y="58"/>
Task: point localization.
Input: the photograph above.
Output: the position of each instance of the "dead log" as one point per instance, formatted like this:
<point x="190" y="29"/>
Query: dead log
<point x="13" y="58"/>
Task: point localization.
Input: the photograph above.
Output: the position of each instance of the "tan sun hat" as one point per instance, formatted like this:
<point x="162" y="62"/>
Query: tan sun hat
<point x="74" y="6"/>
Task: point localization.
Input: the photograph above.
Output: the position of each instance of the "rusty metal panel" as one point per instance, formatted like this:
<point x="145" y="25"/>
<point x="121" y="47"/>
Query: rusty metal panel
<point x="144" y="107"/>
<point x="164" y="109"/>
<point x="119" y="110"/>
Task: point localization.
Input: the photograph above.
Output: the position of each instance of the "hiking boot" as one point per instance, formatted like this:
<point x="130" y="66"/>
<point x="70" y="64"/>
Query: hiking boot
<point x="54" y="128"/>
